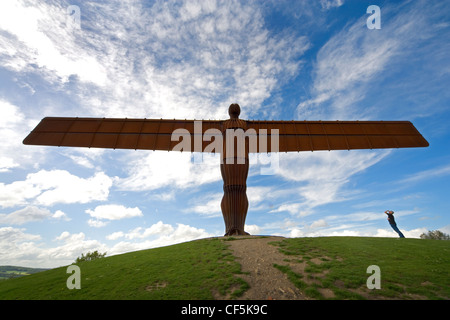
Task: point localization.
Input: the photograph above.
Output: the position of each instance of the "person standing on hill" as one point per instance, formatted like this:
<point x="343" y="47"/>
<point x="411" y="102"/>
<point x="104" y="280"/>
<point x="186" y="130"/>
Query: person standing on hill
<point x="391" y="220"/>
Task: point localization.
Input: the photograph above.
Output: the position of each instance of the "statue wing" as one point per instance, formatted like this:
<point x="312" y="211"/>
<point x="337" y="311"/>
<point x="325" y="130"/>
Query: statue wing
<point x="138" y="134"/>
<point x="158" y="134"/>
<point x="339" y="135"/>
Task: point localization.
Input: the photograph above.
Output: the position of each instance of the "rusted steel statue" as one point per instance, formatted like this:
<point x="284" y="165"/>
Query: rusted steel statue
<point x="219" y="136"/>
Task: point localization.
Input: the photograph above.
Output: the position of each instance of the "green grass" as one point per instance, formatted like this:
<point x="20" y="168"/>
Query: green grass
<point x="410" y="268"/>
<point x="192" y="270"/>
<point x="205" y="269"/>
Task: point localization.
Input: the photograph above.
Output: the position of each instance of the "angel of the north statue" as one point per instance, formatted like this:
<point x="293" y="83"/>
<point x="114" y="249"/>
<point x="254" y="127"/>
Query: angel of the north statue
<point x="218" y="136"/>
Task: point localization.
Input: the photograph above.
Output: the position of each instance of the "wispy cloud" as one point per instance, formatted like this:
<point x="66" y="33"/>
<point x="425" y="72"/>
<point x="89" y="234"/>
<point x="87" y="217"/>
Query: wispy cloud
<point x="45" y="40"/>
<point x="352" y="63"/>
<point x="173" y="59"/>
<point x="327" y="4"/>
<point x="438" y="172"/>
<point x="322" y="177"/>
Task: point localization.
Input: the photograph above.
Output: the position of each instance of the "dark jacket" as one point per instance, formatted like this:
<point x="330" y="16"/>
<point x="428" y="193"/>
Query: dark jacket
<point x="391" y="218"/>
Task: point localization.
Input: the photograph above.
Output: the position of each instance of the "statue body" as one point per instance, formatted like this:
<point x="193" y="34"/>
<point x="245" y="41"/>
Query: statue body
<point x="234" y="169"/>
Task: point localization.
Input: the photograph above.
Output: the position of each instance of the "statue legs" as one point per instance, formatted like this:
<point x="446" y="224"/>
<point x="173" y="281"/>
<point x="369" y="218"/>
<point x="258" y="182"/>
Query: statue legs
<point x="234" y="202"/>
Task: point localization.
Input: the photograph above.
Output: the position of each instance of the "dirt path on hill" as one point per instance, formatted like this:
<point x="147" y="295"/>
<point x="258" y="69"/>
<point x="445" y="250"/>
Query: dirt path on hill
<point x="257" y="258"/>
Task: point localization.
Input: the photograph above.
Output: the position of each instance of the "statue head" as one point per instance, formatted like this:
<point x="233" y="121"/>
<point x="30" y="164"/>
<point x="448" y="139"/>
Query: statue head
<point x="234" y="111"/>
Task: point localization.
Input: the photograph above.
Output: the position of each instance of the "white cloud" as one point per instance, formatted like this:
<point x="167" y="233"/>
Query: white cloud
<point x="324" y="176"/>
<point x="292" y="208"/>
<point x="56" y="186"/>
<point x="360" y="224"/>
<point x="13" y="234"/>
<point x="327" y="166"/>
<point x="426" y="174"/>
<point x="345" y="65"/>
<point x="7" y="163"/>
<point x="159" y="169"/>
<point x="165" y="196"/>
<point x="368" y="216"/>
<point x="209" y="205"/>
<point x="114" y="212"/>
<point x="319" y="224"/>
<point x="258" y="194"/>
<point x="88" y="158"/>
<point x="43" y="33"/>
<point x="295" y="233"/>
<point x="20" y="248"/>
<point x="253" y="229"/>
<point x="13" y="128"/>
<point x="115" y="235"/>
<point x="17" y="193"/>
<point x="164" y="232"/>
<point x="165" y="235"/>
<point x="351" y="63"/>
<point x="82" y="161"/>
<point x="414" y="233"/>
<point x="31" y="213"/>
<point x="71" y="246"/>
<point x="95" y="223"/>
<point x="62" y="187"/>
<point x="60" y="215"/>
<point x="328" y="4"/>
<point x="347" y="230"/>
<point x="363" y="224"/>
<point x="158" y="228"/>
<point x="226" y="53"/>
<point x="25" y="215"/>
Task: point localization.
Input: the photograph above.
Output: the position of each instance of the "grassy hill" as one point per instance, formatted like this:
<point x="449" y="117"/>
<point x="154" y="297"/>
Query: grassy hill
<point x="206" y="269"/>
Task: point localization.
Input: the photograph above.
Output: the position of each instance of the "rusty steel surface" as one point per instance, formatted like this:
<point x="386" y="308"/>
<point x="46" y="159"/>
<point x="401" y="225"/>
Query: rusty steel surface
<point x="292" y="136"/>
<point x="138" y="134"/>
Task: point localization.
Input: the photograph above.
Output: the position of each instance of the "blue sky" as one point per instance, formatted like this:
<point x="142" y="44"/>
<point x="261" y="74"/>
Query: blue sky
<point x="287" y="60"/>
